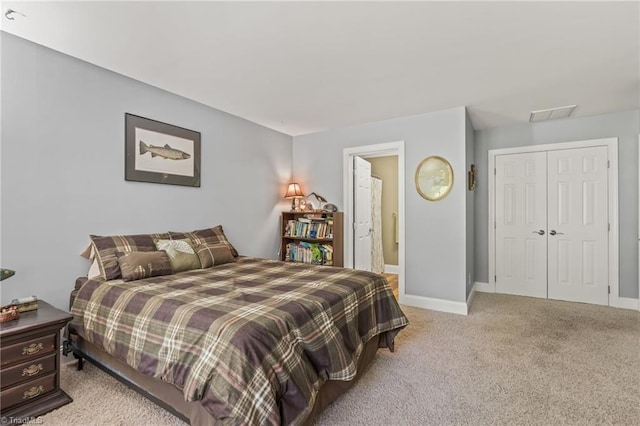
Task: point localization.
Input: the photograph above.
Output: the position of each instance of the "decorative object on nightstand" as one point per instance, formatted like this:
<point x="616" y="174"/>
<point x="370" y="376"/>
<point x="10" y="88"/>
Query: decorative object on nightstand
<point x="30" y="364"/>
<point x="294" y="193"/>
<point x="25" y="304"/>
<point x="9" y="312"/>
<point x="312" y="237"/>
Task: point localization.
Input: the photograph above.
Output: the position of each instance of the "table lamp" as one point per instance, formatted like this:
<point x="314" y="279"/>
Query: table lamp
<point x="294" y="193"/>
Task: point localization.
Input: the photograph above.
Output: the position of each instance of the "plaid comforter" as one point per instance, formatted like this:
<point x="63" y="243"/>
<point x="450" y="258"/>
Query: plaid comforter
<point x="253" y="340"/>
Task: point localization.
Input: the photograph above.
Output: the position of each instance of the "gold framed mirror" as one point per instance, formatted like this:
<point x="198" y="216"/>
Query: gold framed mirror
<point x="434" y="178"/>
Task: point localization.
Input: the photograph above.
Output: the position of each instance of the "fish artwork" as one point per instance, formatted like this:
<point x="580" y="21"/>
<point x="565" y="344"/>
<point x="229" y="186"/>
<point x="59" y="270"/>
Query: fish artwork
<point x="163" y="151"/>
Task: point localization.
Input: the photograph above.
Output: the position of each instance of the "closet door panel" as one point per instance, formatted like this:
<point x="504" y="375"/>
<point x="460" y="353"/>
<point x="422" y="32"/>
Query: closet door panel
<point x="578" y="225"/>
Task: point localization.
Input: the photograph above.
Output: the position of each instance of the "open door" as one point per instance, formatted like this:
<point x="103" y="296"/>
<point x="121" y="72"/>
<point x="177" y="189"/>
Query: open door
<point x="362" y="214"/>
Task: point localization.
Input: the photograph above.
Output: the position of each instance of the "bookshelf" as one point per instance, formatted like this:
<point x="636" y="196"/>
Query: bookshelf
<point x="312" y="237"/>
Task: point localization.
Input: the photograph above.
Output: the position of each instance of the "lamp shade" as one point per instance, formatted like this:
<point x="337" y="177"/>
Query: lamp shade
<point x="294" y="191"/>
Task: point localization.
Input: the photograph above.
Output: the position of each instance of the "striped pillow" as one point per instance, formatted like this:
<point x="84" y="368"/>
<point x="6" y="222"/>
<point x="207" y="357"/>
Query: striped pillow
<point x="213" y="254"/>
<point x="105" y="249"/>
<point x="209" y="235"/>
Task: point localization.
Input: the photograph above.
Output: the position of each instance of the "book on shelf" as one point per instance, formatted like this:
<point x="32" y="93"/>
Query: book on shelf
<point x="314" y="253"/>
<point x="304" y="228"/>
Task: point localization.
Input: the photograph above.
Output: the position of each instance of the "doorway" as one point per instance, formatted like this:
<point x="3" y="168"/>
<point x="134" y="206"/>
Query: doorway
<point x="384" y="173"/>
<point x="350" y="225"/>
<point x="553" y="221"/>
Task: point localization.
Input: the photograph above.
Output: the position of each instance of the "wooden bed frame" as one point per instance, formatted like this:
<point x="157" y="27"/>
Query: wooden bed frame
<point x="171" y="398"/>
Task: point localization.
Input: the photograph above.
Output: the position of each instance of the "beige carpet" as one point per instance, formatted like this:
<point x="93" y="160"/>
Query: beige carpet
<point x="512" y="361"/>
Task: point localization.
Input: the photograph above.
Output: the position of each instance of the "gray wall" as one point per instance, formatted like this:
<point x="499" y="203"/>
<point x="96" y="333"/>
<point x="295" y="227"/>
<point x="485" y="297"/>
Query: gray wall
<point x="435" y="231"/>
<point x="62" y="169"/>
<point x="623" y="125"/>
<point x="470" y="203"/>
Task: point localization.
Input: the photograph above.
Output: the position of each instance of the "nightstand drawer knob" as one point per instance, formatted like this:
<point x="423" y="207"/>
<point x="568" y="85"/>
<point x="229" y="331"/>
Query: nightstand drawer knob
<point x="33" y="392"/>
<point x="32" y="370"/>
<point x="33" y="348"/>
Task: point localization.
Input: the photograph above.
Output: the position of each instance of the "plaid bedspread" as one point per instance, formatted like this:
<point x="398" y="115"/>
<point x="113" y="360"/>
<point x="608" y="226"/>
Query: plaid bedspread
<point x="253" y="340"/>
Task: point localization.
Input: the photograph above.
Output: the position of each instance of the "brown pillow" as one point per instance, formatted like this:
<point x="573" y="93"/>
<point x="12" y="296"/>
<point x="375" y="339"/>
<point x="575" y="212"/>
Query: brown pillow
<point x="137" y="265"/>
<point x="209" y="235"/>
<point x="181" y="254"/>
<point x="213" y="254"/>
<point x="105" y="249"/>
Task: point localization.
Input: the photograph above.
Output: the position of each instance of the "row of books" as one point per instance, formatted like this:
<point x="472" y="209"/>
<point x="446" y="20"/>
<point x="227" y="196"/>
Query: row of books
<point x="303" y="252"/>
<point x="309" y="228"/>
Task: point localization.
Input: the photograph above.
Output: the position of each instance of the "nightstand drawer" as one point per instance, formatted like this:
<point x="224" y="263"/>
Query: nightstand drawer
<point x="27" y="391"/>
<point x="28" y="349"/>
<point x="28" y="370"/>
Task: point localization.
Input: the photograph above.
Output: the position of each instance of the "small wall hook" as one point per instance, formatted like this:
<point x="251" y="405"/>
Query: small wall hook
<point x="10" y="12"/>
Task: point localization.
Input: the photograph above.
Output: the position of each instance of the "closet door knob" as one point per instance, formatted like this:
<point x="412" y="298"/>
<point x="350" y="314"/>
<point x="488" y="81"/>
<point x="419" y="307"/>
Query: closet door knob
<point x="540" y="232"/>
<point x="553" y="232"/>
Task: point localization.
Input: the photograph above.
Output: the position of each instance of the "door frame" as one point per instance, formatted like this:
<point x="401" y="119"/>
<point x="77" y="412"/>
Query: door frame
<point x="368" y="151"/>
<point x="612" y="156"/>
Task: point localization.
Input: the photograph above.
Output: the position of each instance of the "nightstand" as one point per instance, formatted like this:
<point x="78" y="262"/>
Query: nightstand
<point x="30" y="364"/>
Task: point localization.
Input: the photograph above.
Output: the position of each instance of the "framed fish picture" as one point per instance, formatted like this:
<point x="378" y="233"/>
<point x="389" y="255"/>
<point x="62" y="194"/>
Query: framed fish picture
<point x="158" y="152"/>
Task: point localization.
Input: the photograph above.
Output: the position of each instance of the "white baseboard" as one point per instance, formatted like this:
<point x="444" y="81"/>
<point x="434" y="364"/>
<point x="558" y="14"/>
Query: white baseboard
<point x="484" y="287"/>
<point x="391" y="269"/>
<point x="441" y="305"/>
<point x="625" y="303"/>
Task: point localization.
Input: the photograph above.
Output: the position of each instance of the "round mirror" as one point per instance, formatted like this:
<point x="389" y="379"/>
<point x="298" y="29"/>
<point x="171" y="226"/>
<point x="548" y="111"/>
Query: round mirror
<point x="434" y="178"/>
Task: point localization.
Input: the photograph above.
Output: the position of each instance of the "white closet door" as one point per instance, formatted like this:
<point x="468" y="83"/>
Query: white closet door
<point x="521" y="213"/>
<point x="578" y="225"/>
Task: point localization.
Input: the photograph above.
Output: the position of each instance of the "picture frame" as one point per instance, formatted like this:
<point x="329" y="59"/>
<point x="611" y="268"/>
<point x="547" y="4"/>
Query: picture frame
<point x="434" y="178"/>
<point x="158" y="152"/>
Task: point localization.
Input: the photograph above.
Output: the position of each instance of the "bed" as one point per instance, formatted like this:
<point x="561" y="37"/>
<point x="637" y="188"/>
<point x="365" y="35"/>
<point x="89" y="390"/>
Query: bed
<point x="251" y="341"/>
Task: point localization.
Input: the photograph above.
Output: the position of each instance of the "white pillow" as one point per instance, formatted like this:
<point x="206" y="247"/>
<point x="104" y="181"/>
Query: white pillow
<point x="94" y="270"/>
<point x="173" y="247"/>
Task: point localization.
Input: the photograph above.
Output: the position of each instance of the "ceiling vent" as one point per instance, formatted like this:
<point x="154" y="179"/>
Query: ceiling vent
<point x="551" y="114"/>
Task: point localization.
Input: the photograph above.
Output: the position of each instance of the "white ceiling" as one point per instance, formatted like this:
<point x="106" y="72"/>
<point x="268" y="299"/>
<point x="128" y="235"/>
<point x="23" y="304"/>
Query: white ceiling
<point x="302" y="67"/>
